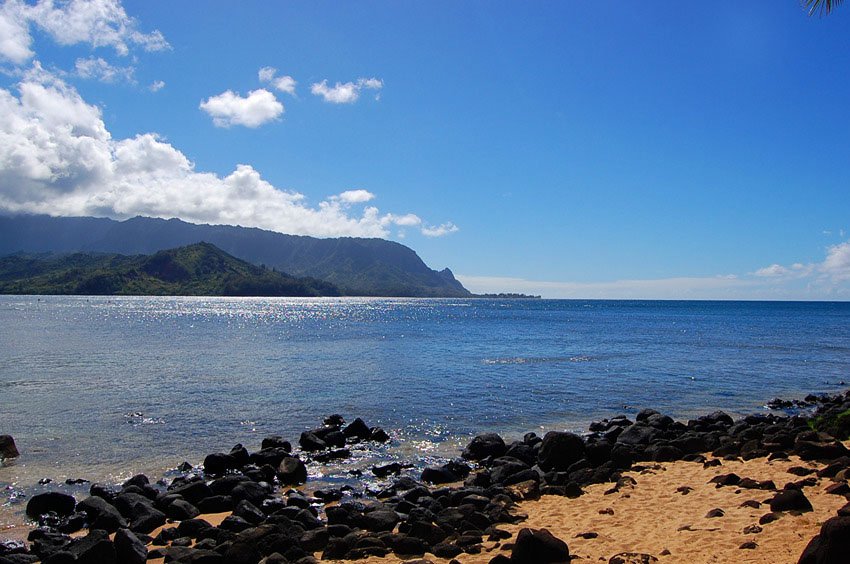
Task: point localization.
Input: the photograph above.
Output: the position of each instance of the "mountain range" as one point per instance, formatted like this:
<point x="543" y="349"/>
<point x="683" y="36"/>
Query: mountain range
<point x="355" y="266"/>
<point x="201" y="269"/>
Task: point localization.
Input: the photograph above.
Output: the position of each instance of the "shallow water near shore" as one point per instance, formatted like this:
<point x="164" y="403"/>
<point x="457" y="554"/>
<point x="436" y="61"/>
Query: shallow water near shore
<point x="101" y="388"/>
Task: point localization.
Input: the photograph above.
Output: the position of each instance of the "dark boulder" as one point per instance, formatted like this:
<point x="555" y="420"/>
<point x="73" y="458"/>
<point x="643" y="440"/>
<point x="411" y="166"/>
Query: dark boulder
<point x="194" y="491"/>
<point x="276" y="441"/>
<point x="378" y="435"/>
<point x="831" y="546"/>
<point x="216" y="504"/>
<point x="219" y="463"/>
<point x="292" y="471"/>
<point x="482" y="446"/>
<point x="790" y="500"/>
<point x="101" y="515"/>
<point x="379" y="521"/>
<point x="559" y="450"/>
<point x="57" y="502"/>
<point x="180" y="510"/>
<point x="439" y="475"/>
<point x="255" y="492"/>
<point x="8" y="449"/>
<point x="146" y="518"/>
<point x="94" y="548"/>
<point x="249" y="512"/>
<point x="632" y="558"/>
<point x="539" y="546"/>
<point x="310" y="441"/>
<point x="129" y="549"/>
<point x="820" y="450"/>
<point x="638" y="434"/>
<point x="357" y="429"/>
<point x="270" y="455"/>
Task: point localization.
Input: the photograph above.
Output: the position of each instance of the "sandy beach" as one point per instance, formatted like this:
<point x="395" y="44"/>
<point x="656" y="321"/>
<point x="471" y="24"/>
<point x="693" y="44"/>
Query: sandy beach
<point x="655" y="516"/>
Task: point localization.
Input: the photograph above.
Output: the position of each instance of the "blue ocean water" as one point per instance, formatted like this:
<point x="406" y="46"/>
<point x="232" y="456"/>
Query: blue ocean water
<point x="103" y="387"/>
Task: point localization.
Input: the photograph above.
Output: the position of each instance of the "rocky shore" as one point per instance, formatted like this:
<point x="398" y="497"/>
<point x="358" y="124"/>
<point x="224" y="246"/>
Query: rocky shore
<point x="498" y="502"/>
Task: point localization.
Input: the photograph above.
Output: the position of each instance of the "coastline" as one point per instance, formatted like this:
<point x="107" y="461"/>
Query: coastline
<point x="629" y="467"/>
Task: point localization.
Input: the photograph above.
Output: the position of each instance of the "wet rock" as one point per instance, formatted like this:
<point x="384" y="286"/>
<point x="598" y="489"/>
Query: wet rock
<point x="129" y="549"/>
<point x="539" y="546"/>
<point x="378" y="435"/>
<point x="335" y="420"/>
<point x="439" y="475"/>
<point x="59" y="503"/>
<point x="357" y="429"/>
<point x="831" y="546"/>
<point x="8" y="449"/>
<point x="310" y="442"/>
<point x="219" y="463"/>
<point x="292" y="471"/>
<point x="483" y="446"/>
<point x="276" y="441"/>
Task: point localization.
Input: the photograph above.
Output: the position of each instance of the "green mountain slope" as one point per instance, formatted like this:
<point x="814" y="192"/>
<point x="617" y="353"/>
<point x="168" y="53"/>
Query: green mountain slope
<point x="358" y="266"/>
<point x="201" y="269"/>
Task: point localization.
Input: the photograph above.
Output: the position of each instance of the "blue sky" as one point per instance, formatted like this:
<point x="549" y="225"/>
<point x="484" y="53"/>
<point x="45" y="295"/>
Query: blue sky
<point x="573" y="149"/>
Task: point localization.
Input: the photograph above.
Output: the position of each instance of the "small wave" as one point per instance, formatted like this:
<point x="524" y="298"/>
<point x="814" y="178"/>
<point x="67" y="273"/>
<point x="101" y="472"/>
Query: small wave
<point x="538" y="360"/>
<point x="138" y="418"/>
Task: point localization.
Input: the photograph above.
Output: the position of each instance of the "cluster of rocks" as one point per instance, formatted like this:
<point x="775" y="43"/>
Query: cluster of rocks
<point x="451" y="509"/>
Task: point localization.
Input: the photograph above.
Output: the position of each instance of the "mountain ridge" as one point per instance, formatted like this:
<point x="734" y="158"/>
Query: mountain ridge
<point x="200" y="269"/>
<point x="358" y="266"/>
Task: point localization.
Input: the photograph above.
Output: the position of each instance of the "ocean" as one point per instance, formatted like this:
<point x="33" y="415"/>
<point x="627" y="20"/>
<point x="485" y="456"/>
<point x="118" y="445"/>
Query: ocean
<point x="100" y="388"/>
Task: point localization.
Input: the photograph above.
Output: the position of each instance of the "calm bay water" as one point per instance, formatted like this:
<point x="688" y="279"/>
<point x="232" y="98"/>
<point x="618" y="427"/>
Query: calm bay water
<point x="101" y="387"/>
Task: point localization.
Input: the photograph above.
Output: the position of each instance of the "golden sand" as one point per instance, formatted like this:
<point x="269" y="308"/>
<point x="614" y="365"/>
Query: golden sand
<point x="655" y="516"/>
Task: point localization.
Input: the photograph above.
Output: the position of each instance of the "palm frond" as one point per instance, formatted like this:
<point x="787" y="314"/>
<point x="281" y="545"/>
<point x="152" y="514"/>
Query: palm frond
<point x="821" y="7"/>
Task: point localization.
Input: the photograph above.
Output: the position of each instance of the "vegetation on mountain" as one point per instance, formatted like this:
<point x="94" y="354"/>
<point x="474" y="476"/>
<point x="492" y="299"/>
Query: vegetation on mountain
<point x="357" y="266"/>
<point x="195" y="270"/>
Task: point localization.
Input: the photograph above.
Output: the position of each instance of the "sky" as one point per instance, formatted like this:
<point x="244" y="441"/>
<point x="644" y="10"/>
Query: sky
<point x="569" y="149"/>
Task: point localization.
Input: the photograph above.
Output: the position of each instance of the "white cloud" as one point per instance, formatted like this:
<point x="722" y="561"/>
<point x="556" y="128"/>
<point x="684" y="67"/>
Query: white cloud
<point x="99" y="23"/>
<point x="229" y="108"/>
<point x="156" y="86"/>
<point x="98" y="69"/>
<point x="356" y="196"/>
<point x="772" y="271"/>
<point x="58" y="158"/>
<point x="837" y="262"/>
<point x="282" y="83"/>
<point x="345" y="93"/>
<point x="439" y="230"/>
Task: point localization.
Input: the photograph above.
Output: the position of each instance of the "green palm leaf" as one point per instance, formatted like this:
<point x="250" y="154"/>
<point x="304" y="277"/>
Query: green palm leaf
<point x="822" y="7"/>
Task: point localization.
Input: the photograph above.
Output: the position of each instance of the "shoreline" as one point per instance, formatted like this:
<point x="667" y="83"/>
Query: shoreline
<point x="551" y="481"/>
